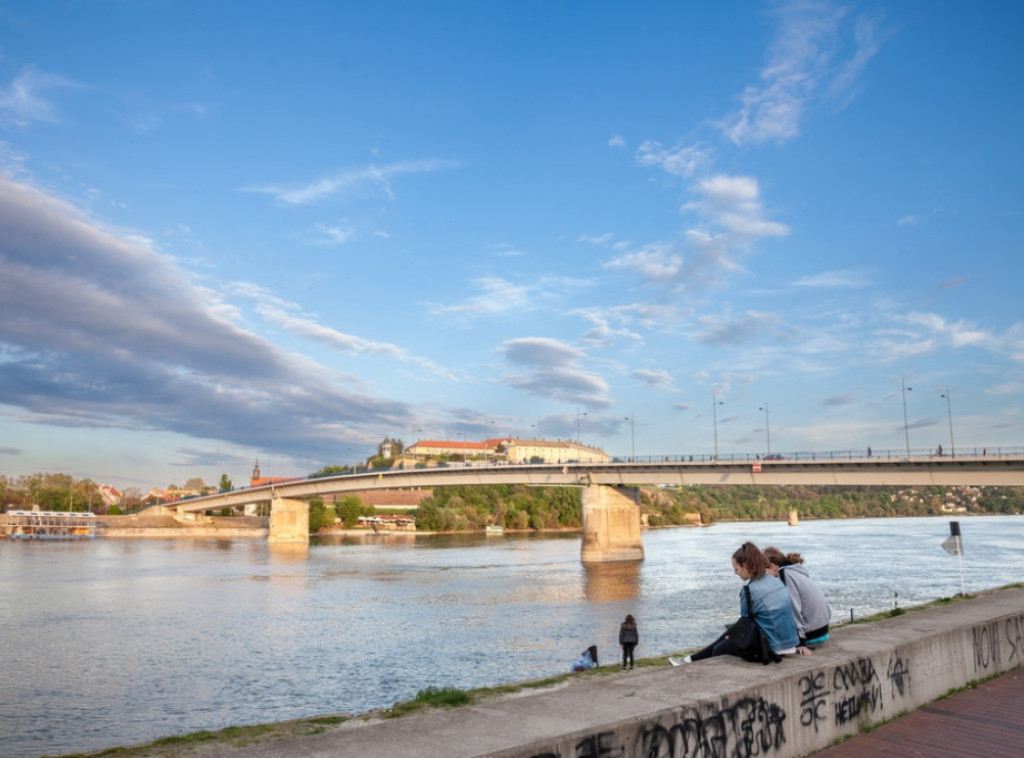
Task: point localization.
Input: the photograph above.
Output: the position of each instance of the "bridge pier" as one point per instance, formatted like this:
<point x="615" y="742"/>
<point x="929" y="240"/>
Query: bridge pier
<point x="611" y="525"/>
<point x="289" y="521"/>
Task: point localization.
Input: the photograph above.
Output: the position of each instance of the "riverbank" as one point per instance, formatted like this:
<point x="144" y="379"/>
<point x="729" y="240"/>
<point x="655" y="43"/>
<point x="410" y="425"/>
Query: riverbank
<point x="868" y="674"/>
<point x="141" y="526"/>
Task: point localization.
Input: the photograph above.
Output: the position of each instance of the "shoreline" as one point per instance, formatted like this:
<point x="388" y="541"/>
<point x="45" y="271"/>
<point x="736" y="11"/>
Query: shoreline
<point x="237" y="739"/>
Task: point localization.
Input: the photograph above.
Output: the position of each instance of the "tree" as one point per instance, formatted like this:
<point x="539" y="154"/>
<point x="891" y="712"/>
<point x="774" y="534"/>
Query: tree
<point x="131" y="499"/>
<point x="225" y="483"/>
<point x="319" y="515"/>
<point x="349" y="509"/>
<point x="195" y="484"/>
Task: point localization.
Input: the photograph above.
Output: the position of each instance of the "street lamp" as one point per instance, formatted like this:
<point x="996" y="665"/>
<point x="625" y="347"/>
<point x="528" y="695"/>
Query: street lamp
<point x="767" y="427"/>
<point x="949" y="413"/>
<point x="715" y="402"/>
<point x="631" y="418"/>
<point x="578" y="414"/>
<point x="904" y="389"/>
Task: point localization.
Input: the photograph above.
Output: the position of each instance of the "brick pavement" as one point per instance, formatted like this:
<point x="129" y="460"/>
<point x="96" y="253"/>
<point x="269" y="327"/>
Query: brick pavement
<point x="987" y="722"/>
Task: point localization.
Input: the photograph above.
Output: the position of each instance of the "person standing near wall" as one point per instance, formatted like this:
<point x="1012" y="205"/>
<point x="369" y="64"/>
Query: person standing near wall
<point x="628" y="639"/>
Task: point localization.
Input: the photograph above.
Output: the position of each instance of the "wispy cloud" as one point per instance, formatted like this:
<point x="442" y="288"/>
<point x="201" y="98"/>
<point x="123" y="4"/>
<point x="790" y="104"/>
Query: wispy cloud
<point x="835" y="279"/>
<point x="802" y="62"/>
<point x="659" y="378"/>
<point x="23" y="103"/>
<point x="288" y="316"/>
<point x="729" y="330"/>
<point x="352" y="181"/>
<point x="683" y="161"/>
<point x="552" y="371"/>
<point x="498" y="295"/>
<point x="730" y="220"/>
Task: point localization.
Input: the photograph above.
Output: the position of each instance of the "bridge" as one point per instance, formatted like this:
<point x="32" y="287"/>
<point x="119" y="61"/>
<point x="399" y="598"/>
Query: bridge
<point x="611" y="525"/>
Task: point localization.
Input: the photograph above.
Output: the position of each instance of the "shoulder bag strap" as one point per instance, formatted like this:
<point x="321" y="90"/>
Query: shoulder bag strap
<point x="750" y="603"/>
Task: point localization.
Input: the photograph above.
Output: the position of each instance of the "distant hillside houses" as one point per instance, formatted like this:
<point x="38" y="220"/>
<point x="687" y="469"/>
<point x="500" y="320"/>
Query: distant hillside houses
<point x="506" y="450"/>
<point x="110" y="495"/>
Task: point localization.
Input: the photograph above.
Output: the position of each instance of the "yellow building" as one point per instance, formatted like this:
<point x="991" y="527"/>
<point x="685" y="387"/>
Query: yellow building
<point x="508" y="450"/>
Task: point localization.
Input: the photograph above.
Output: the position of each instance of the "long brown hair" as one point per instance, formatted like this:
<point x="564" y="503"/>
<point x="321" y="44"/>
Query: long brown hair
<point x="752" y="559"/>
<point x="778" y="558"/>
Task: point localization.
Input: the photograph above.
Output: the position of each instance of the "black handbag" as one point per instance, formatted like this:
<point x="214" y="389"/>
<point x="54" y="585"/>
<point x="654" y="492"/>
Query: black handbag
<point x="750" y="640"/>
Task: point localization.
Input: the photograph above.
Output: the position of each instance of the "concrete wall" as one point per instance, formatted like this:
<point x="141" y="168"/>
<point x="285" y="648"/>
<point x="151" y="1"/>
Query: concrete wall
<point x="723" y="707"/>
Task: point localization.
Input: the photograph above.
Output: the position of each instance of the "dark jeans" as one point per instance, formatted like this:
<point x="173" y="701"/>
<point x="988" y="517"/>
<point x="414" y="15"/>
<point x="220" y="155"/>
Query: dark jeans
<point x="627" y="653"/>
<point x="722" y="646"/>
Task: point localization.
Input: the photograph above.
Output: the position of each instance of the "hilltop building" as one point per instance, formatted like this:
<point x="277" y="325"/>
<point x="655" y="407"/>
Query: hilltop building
<point x="507" y="450"/>
<point x="256" y="480"/>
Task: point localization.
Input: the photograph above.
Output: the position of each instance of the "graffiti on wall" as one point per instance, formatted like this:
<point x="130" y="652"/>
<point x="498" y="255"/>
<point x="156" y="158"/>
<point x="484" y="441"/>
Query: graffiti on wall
<point x="986" y="646"/>
<point x="1014" y="628"/>
<point x="753" y="726"/>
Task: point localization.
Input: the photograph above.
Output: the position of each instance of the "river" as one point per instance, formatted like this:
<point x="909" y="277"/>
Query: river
<point x="114" y="642"/>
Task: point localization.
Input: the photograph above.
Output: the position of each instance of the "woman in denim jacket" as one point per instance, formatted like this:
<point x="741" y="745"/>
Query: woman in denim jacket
<point x="773" y="610"/>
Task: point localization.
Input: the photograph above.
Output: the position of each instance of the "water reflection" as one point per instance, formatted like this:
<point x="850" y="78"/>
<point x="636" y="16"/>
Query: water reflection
<point x="612" y="582"/>
<point x="284" y="553"/>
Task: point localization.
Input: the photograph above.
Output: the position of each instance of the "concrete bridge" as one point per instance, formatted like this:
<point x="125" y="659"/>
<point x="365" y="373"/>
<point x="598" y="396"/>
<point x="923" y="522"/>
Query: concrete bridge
<point x="611" y="521"/>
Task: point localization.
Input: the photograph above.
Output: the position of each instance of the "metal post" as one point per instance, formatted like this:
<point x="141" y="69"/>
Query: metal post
<point x="767" y="427"/>
<point x="715" y="402"/>
<point x="906" y="428"/>
<point x="949" y="413"/>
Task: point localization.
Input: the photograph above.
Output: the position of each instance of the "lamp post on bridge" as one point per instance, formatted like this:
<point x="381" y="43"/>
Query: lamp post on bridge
<point x="767" y="427"/>
<point x="578" y="414"/>
<point x="631" y="418"/>
<point x="904" y="389"/>
<point x="949" y="413"/>
<point x="715" y="402"/>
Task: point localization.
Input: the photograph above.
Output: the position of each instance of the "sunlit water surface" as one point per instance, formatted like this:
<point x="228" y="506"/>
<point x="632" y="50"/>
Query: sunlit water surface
<point x="111" y="642"/>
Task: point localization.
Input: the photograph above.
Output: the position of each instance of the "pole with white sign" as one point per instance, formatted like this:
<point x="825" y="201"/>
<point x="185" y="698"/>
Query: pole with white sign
<point x="954" y="545"/>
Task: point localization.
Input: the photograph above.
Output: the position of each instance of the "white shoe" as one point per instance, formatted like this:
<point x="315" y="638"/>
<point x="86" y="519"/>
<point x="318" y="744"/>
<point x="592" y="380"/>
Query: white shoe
<point x="679" y="661"/>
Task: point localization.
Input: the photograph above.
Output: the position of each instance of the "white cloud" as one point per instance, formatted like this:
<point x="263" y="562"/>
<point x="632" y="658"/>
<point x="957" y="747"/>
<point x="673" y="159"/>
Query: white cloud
<point x="659" y="379"/>
<point x="729" y="330"/>
<point x="539" y="351"/>
<point x="802" y="61"/>
<point x="22" y="102"/>
<point x="554" y="373"/>
<point x="498" y="295"/>
<point x="835" y="279"/>
<point x="353" y="181"/>
<point x="616" y="140"/>
<point x="1007" y="388"/>
<point x="656" y="262"/>
<point x="685" y="161"/>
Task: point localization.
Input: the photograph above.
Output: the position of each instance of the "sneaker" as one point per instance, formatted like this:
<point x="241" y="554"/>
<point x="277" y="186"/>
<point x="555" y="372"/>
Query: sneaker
<point x="624" y="668"/>
<point x="679" y="661"/>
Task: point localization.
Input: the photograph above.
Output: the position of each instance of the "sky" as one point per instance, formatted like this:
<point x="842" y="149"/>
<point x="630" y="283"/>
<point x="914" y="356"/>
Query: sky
<point x="242" y="230"/>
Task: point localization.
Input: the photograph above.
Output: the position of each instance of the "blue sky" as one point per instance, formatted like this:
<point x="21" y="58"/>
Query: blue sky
<point x="239" y="230"/>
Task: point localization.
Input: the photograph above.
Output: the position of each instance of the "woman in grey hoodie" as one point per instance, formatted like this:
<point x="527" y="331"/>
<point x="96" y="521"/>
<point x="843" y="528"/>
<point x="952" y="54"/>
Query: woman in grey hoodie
<point x="811" y="611"/>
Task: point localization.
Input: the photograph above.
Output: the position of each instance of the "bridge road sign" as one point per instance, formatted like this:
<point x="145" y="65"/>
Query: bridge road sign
<point x="954" y="545"/>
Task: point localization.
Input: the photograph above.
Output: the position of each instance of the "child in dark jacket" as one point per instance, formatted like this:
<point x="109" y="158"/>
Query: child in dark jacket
<point x="628" y="637"/>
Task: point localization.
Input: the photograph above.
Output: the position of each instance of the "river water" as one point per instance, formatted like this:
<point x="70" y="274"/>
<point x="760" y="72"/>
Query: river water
<point x="111" y="642"/>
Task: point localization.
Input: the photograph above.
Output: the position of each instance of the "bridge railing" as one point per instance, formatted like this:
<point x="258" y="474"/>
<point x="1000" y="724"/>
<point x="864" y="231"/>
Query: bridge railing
<point x="1002" y="451"/>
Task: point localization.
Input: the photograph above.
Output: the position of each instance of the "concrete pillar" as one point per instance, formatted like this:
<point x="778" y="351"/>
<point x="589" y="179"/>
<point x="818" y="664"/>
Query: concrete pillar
<point x="289" y="521"/>
<point x="611" y="526"/>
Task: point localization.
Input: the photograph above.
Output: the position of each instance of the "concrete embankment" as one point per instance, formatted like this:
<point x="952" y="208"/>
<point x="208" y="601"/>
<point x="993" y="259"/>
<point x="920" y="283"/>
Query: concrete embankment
<point x="867" y="674"/>
<point x="166" y="527"/>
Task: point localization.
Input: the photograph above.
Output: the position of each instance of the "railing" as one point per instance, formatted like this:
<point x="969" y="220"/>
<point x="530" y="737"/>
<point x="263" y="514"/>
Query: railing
<point x="979" y="453"/>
